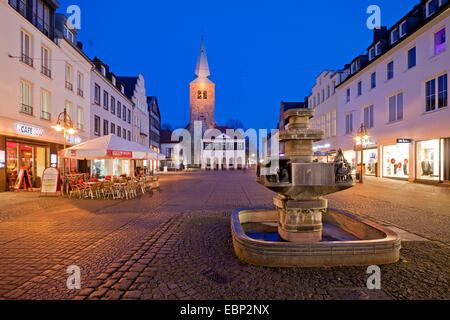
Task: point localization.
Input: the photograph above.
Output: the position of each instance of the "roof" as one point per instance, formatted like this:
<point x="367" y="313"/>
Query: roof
<point x="202" y="69"/>
<point x="413" y="31"/>
<point x="166" y="136"/>
<point x="150" y="101"/>
<point x="129" y="84"/>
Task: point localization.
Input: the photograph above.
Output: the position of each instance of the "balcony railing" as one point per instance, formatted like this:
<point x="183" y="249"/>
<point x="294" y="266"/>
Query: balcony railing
<point x="46" y="115"/>
<point x="26" y="59"/>
<point x="26" y="109"/>
<point x="46" y="71"/>
<point x="69" y="86"/>
<point x="80" y="92"/>
<point x="25" y="8"/>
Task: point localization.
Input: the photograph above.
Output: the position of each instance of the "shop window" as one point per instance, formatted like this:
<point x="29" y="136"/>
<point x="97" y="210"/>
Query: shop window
<point x="428" y="160"/>
<point x="100" y="168"/>
<point x="34" y="158"/>
<point x="396" y="161"/>
<point x="371" y="162"/>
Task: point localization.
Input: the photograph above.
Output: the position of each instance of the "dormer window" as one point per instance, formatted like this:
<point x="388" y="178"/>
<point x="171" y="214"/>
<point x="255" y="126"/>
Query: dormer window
<point x="378" y="49"/>
<point x="113" y="79"/>
<point x="68" y="34"/>
<point x="103" y="69"/>
<point x="430" y="7"/>
<point x="372" y="53"/>
<point x="403" y="29"/>
<point x="122" y="89"/>
<point x="394" y="35"/>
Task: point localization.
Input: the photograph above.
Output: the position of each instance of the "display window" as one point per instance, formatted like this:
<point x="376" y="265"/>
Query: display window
<point x="428" y="160"/>
<point x="23" y="155"/>
<point x="371" y="162"/>
<point x="100" y="168"/>
<point x="396" y="161"/>
<point x="350" y="156"/>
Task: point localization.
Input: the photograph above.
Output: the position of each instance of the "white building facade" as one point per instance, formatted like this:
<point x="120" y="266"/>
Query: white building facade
<point x="223" y="153"/>
<point x="399" y="92"/>
<point x="43" y="72"/>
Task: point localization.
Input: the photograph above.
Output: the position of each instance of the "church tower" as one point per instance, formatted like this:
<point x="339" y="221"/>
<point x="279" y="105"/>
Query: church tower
<point x="202" y="94"/>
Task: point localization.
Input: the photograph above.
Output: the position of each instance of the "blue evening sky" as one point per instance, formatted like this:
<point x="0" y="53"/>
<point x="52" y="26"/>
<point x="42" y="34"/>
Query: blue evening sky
<point x="260" y="52"/>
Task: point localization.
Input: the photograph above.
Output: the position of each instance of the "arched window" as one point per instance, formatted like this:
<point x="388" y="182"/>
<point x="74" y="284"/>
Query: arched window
<point x="199" y="95"/>
<point x="205" y="94"/>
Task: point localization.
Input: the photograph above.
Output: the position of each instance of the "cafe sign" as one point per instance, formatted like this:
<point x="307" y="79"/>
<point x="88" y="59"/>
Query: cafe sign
<point x="28" y="130"/>
<point x="120" y="154"/>
<point x="404" y="141"/>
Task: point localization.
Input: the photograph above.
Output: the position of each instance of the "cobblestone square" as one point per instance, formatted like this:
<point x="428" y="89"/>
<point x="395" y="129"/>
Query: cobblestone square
<point x="176" y="244"/>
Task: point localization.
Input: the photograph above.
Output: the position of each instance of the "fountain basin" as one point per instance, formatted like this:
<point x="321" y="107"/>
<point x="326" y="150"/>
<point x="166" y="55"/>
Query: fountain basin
<point x="347" y="241"/>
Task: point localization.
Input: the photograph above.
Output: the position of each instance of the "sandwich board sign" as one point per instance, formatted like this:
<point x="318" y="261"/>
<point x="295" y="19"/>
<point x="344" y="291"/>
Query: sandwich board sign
<point x="51" y="182"/>
<point x="23" y="180"/>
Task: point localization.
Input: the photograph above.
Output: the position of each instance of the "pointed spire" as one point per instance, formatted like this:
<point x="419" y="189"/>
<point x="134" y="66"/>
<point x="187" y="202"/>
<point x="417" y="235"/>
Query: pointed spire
<point x="202" y="69"/>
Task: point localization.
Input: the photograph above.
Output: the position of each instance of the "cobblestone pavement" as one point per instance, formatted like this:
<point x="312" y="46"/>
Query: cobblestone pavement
<point x="176" y="244"/>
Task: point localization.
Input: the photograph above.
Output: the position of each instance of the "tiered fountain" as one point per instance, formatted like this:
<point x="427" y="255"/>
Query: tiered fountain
<point x="302" y="231"/>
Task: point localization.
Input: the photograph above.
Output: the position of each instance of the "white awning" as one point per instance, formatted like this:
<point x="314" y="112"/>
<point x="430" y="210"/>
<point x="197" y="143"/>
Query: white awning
<point x="110" y="147"/>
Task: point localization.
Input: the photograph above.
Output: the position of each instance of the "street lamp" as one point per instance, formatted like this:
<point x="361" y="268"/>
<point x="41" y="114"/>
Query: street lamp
<point x="64" y="124"/>
<point x="362" y="138"/>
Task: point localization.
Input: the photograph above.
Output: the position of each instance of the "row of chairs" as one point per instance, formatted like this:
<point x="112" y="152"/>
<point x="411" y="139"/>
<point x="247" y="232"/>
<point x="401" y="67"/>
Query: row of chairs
<point x="122" y="189"/>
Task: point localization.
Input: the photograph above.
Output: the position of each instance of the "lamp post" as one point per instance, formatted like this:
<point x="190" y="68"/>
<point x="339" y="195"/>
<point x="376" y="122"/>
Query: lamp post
<point x="361" y="138"/>
<point x="65" y="125"/>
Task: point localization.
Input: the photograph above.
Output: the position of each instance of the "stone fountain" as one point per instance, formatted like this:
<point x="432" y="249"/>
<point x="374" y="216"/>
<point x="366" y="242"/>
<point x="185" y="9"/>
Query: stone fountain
<point x="302" y="231"/>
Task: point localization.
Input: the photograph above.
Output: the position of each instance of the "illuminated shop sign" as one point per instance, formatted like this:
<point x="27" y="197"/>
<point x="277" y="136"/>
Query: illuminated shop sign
<point x="54" y="160"/>
<point x="73" y="140"/>
<point x="28" y="130"/>
<point x="320" y="147"/>
<point x="404" y="141"/>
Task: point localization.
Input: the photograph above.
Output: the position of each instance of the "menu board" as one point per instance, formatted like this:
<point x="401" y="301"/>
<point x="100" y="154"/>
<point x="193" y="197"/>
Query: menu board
<point x="23" y="180"/>
<point x="50" y="181"/>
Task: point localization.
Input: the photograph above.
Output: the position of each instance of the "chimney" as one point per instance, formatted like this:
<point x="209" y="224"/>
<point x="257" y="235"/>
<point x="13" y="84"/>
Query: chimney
<point x="379" y="34"/>
<point x="80" y="45"/>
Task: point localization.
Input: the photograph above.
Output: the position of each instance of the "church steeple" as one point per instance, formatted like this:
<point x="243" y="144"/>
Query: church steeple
<point x="202" y="69"/>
